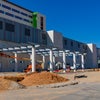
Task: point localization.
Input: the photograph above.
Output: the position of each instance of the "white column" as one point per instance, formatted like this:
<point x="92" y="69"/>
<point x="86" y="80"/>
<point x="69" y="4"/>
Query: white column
<point x="30" y="55"/>
<point x="30" y="58"/>
<point x="51" y="61"/>
<point x="54" y="61"/>
<point x="64" y="61"/>
<point x="74" y="61"/>
<point x="82" y="62"/>
<point x="33" y="59"/>
<point x="44" y="61"/>
<point x="16" y="63"/>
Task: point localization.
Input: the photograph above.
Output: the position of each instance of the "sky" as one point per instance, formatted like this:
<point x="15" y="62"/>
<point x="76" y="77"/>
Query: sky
<point x="75" y="19"/>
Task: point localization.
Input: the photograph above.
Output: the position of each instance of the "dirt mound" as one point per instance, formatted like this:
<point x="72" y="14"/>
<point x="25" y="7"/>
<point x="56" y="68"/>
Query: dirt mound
<point x="14" y="78"/>
<point x="42" y="78"/>
<point x="8" y="84"/>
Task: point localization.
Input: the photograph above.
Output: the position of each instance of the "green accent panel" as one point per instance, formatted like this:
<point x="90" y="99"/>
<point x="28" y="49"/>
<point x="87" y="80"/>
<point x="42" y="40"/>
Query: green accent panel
<point x="34" y="19"/>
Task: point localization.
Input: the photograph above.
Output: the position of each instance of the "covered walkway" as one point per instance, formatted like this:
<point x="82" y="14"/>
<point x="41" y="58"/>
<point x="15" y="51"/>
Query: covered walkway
<point x="36" y="49"/>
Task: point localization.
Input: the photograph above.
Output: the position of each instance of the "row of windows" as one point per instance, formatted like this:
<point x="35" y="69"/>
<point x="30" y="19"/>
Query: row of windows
<point x="18" y="17"/>
<point x="11" y="15"/>
<point x="8" y="27"/>
<point x="72" y="44"/>
<point x="65" y="42"/>
<point x="14" y="10"/>
<point x="11" y="28"/>
<point x="4" y="6"/>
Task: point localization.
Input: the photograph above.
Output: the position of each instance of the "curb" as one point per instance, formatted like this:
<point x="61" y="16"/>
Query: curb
<point x="56" y="85"/>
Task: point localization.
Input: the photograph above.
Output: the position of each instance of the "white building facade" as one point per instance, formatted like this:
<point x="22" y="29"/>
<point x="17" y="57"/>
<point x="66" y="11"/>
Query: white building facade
<point x="19" y="25"/>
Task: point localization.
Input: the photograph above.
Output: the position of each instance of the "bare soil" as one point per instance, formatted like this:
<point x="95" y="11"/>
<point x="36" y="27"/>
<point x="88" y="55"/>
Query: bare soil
<point x="23" y="80"/>
<point x="91" y="76"/>
<point x="42" y="78"/>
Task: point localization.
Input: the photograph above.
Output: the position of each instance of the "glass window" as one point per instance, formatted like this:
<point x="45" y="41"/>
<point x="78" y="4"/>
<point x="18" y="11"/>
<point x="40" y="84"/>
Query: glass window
<point x="15" y="10"/>
<point x="1" y="11"/>
<point x="65" y="42"/>
<point x="27" y="32"/>
<point x="44" y="38"/>
<point x="18" y="17"/>
<point x="23" y="14"/>
<point x="26" y="20"/>
<point x="9" y="14"/>
<point x="30" y="16"/>
<point x="71" y="43"/>
<point x="4" y="6"/>
<point x="78" y="45"/>
<point x="1" y="25"/>
<point x="42" y="23"/>
<point x="84" y="47"/>
<point x="9" y="27"/>
<point x="21" y="62"/>
<point x="41" y="19"/>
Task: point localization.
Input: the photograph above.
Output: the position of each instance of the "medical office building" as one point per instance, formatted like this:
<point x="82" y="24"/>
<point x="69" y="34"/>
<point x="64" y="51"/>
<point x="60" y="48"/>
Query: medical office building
<point x="20" y="26"/>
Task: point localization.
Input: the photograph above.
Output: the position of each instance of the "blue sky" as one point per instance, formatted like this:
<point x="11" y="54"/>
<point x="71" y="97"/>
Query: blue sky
<point x="75" y="19"/>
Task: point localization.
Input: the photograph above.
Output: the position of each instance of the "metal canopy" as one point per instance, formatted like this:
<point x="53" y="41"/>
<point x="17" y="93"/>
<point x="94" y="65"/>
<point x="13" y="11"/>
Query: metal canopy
<point x="27" y="48"/>
<point x="6" y="46"/>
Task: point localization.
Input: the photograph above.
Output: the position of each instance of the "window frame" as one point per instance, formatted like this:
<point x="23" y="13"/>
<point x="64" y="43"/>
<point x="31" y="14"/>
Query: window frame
<point x="6" y="7"/>
<point x="8" y="14"/>
<point x="1" y="11"/>
<point x="17" y="17"/>
<point x="27" y="32"/>
<point x="65" y="42"/>
<point x="1" y="25"/>
<point x="72" y="43"/>
<point x="14" y="10"/>
<point x="9" y="27"/>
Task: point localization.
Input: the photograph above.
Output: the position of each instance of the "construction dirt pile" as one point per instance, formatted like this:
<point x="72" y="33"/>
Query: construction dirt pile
<point x="42" y="78"/>
<point x="8" y="84"/>
<point x="14" y="78"/>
